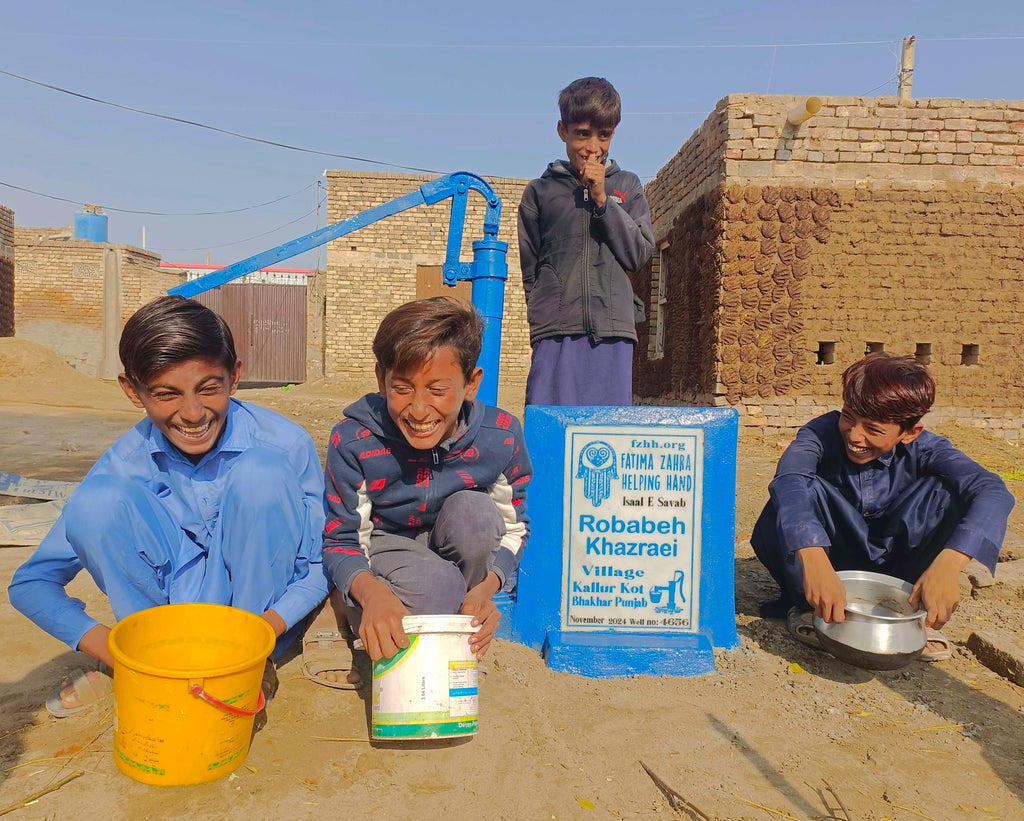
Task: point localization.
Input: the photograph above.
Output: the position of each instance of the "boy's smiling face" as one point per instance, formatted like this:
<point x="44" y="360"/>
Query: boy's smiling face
<point x="584" y="142"/>
<point x="187" y="402"/>
<point x="867" y="439"/>
<point x="425" y="401"/>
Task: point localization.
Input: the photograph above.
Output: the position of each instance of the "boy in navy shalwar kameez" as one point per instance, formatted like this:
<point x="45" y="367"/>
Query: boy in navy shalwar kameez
<point x="870" y="489"/>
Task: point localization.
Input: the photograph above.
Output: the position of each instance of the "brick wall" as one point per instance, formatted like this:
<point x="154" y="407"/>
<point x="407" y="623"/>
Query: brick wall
<point x="6" y="271"/>
<point x="373" y="270"/>
<point x="60" y="292"/>
<point x="877" y="224"/>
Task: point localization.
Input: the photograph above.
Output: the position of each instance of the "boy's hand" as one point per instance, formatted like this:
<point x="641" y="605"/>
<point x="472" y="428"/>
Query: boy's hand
<point x="381" y="630"/>
<point x="938" y="589"/>
<point x="592" y="176"/>
<point x="822" y="587"/>
<point x="479" y="603"/>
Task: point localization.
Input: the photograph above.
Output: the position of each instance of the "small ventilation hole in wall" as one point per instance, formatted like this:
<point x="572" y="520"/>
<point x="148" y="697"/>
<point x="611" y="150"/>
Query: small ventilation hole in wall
<point x="826" y="353"/>
<point x="923" y="353"/>
<point x="873" y="347"/>
<point x="969" y="355"/>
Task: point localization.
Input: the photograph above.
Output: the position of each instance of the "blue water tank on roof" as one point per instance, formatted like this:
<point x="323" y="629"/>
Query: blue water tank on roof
<point x="91" y="226"/>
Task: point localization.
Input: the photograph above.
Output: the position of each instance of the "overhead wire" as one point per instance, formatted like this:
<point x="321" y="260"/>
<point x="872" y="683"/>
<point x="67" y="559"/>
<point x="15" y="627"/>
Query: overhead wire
<point x="219" y="130"/>
<point x="162" y="213"/>
<point x="249" y="239"/>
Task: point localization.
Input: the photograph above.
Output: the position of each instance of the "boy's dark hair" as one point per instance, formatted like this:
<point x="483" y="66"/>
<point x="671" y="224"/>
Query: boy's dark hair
<point x="410" y="334"/>
<point x="884" y="387"/>
<point x="590" y="100"/>
<point x="170" y="330"/>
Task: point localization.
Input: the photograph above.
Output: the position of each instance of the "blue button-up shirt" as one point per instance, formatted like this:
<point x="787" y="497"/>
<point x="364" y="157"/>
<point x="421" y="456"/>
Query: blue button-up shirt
<point x="191" y="493"/>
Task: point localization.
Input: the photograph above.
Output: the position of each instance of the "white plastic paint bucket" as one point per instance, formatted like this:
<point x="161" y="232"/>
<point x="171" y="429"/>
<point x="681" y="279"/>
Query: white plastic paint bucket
<point x="429" y="689"/>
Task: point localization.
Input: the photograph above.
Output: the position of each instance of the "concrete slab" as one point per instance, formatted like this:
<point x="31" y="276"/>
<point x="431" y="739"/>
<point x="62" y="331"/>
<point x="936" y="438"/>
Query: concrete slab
<point x="1001" y="652"/>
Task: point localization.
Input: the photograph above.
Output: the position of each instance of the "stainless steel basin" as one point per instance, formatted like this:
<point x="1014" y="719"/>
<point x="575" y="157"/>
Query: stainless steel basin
<point x="881" y="631"/>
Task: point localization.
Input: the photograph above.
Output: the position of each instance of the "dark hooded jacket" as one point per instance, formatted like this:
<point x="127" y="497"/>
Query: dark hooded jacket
<point x="575" y="260"/>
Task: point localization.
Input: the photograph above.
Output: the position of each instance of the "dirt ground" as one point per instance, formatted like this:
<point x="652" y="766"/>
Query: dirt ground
<point x="779" y="732"/>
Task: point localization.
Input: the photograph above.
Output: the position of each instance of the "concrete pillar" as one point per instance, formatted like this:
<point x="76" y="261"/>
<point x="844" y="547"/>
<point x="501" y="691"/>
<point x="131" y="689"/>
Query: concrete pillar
<point x="110" y="362"/>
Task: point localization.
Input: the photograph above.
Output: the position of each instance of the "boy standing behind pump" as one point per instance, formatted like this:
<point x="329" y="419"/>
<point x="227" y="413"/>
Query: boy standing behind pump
<point x="583" y="226"/>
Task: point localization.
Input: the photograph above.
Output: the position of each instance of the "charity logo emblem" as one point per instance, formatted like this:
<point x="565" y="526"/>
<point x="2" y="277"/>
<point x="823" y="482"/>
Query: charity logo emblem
<point x="597" y="469"/>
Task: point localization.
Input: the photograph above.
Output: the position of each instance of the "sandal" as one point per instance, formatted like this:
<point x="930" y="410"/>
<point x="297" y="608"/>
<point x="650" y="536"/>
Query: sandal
<point x="87" y="687"/>
<point x="937" y="655"/>
<point x="800" y="624"/>
<point x="327" y="651"/>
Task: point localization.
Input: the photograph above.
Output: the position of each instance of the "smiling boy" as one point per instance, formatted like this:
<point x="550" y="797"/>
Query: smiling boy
<point x="207" y="499"/>
<point x="426" y="485"/>
<point x="584" y="226"/>
<point x="870" y="489"/>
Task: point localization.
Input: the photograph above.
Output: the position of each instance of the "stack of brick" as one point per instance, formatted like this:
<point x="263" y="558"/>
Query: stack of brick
<point x="373" y="270"/>
<point x="62" y="290"/>
<point x="879" y="224"/>
<point x="6" y="271"/>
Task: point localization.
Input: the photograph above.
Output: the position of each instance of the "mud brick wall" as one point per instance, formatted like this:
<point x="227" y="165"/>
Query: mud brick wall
<point x="61" y="299"/>
<point x="142" y="279"/>
<point x="373" y="270"/>
<point x="687" y="370"/>
<point x="6" y="271"/>
<point x="57" y="279"/>
<point x="877" y="224"/>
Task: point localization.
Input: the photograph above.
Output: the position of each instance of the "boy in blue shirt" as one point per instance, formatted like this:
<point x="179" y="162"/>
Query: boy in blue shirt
<point x="426" y="485"/>
<point x="207" y="499"/>
<point x="870" y="489"/>
<point x="584" y="226"/>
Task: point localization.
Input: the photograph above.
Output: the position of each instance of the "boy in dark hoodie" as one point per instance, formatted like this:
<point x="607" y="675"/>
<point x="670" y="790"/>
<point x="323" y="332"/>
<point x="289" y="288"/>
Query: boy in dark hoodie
<point x="426" y="485"/>
<point x="583" y="226"/>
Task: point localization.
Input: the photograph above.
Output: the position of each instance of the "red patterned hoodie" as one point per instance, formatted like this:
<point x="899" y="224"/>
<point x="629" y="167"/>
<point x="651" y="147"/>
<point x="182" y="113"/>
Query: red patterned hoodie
<point x="377" y="481"/>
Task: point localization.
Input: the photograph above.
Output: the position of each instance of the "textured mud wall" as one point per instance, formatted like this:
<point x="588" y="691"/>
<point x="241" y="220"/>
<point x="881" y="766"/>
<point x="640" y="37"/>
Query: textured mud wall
<point x="6" y="271"/>
<point x="880" y="225"/>
<point x="690" y="265"/>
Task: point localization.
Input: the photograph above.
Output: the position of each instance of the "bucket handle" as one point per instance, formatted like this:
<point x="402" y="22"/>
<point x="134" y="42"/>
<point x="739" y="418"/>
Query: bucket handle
<point x="198" y="691"/>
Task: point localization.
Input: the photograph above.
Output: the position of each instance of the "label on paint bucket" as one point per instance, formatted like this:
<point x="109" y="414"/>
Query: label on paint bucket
<point x="429" y="689"/>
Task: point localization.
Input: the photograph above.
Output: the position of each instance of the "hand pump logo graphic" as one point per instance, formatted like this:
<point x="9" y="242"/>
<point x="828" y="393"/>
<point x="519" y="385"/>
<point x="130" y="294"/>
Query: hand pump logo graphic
<point x="597" y="469"/>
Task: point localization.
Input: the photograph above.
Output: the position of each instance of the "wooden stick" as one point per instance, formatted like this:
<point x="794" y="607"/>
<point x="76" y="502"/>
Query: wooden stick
<point x="835" y="795"/>
<point x="766" y="809"/>
<point x="693" y="810"/>
<point x="37" y="795"/>
<point x="915" y="812"/>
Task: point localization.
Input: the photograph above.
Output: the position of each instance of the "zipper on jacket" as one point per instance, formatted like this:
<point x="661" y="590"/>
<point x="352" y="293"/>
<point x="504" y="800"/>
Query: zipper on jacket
<point x="586" y="269"/>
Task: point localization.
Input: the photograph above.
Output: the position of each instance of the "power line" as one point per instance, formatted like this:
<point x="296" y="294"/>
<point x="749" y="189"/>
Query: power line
<point x="247" y="239"/>
<point x="161" y="213"/>
<point x="213" y="127"/>
<point x="492" y="46"/>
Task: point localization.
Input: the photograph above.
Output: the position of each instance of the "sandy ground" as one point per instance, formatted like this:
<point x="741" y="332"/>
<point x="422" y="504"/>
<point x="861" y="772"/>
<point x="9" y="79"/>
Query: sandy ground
<point x="780" y="731"/>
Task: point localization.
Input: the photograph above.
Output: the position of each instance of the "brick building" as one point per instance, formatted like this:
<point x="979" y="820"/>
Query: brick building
<point x="377" y="268"/>
<point x="74" y="295"/>
<point x="785" y="252"/>
<point x="6" y="271"/>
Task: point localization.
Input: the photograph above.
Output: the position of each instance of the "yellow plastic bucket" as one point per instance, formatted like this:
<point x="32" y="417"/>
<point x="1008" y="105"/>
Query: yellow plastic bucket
<point x="186" y="688"/>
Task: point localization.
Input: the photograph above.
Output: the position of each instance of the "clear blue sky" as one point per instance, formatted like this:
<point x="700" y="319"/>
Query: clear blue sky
<point x="446" y="86"/>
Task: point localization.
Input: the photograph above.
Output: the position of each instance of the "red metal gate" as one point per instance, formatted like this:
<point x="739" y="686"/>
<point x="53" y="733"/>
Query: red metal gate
<point x="268" y="323"/>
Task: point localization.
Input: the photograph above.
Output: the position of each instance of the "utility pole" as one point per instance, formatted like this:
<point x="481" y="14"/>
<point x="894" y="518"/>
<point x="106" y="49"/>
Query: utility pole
<point x="907" y="68"/>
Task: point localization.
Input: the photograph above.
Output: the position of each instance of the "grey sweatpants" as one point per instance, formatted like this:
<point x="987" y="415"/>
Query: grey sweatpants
<point x="431" y="570"/>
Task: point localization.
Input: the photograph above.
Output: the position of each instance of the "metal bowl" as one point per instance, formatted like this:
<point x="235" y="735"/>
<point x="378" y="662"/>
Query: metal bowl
<point x="881" y="631"/>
